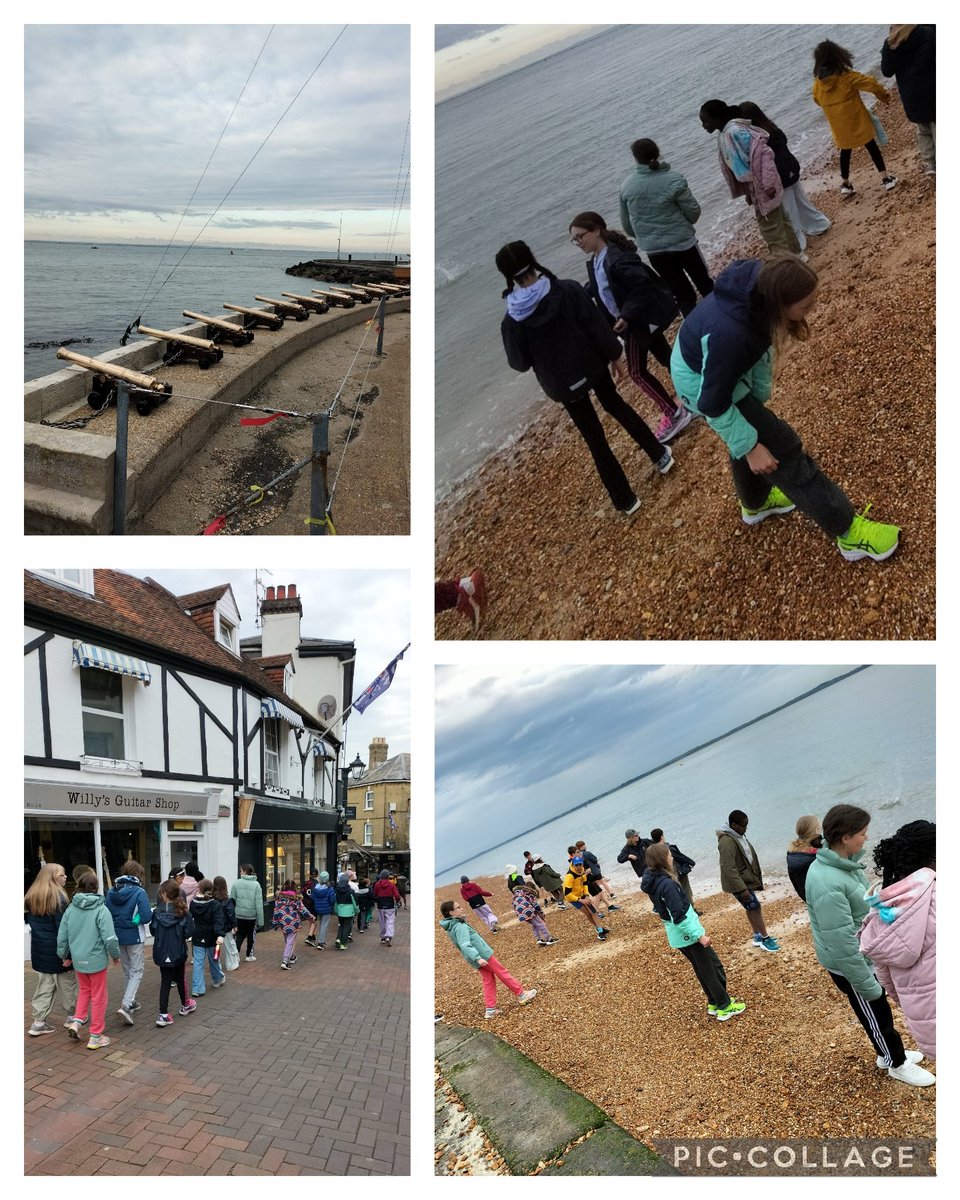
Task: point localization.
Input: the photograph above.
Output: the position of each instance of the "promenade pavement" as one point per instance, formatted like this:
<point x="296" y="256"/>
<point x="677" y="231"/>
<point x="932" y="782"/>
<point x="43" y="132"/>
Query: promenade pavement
<point x="299" y="1072"/>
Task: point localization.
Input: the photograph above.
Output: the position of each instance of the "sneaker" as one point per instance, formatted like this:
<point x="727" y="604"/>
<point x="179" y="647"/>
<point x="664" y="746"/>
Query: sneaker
<point x="542" y="942"/>
<point x="186" y="1009"/>
<point x="97" y="1041"/>
<point x="669" y="427"/>
<point x="491" y="1013"/>
<point x="125" y="1013"/>
<point x="134" y="1006"/>
<point x="389" y="941"/>
<point x="336" y="945"/>
<point x="221" y="982"/>
<point x="195" y="994"/>
<point x="309" y="941"/>
<point x="634" y="507"/>
<point x="38" y="1028"/>
<point x="552" y="941"/>
<point x="913" y="1056"/>
<point x="164" y="1019"/>
<point x="613" y="908"/>
<point x="868" y="539"/>
<point x="758" y="940"/>
<point x="769" y="943"/>
<point x="321" y="945"/>
<point x="472" y="597"/>
<point x="846" y="188"/>
<point x="889" y="182"/>
<point x="250" y="958"/>
<point x="285" y="966"/>
<point x="665" y="461"/>
<point x="560" y="904"/>
<point x="437" y="1017"/>
<point x="292" y="959"/>
<point x="712" y="1010"/>
<point x="527" y="996"/>
<point x="734" y="1007"/>
<point x="601" y="935"/>
<point x="910" y="1073"/>
<point x="73" y="1028"/>
<point x="776" y="504"/>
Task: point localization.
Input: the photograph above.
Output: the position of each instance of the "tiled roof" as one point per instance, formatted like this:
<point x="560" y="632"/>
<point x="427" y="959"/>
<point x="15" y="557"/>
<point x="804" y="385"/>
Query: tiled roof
<point x="201" y="599"/>
<point x="275" y="660"/>
<point x="394" y="770"/>
<point x="144" y="612"/>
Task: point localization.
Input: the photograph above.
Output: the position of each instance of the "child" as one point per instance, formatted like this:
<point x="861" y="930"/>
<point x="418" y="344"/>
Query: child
<point x="44" y="904"/>
<point x="210" y="927"/>
<point x="474" y="894"/>
<point x="248" y="895"/>
<point x="288" y="913"/>
<point x="346" y="908"/>
<point x="231" y="955"/>
<point x="306" y="895"/>
<point x="684" y="931"/>
<point x="723" y="367"/>
<point x="171" y="925"/>
<point x="526" y="904"/>
<point x="478" y="954"/>
<point x="899" y="934"/>
<point x="130" y="908"/>
<point x="801" y="852"/>
<point x="324" y="898"/>
<point x="552" y="326"/>
<point x="577" y="894"/>
<point x="837" y="88"/>
<point x="365" y="900"/>
<point x="85" y="940"/>
<point x="387" y="898"/>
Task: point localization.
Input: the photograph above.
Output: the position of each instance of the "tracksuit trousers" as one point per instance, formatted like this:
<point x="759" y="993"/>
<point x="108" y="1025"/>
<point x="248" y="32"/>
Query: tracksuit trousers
<point x="877" y="1019"/>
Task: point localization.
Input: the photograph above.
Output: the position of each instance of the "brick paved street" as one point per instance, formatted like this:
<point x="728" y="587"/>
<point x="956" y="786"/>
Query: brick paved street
<point x="300" y="1072"/>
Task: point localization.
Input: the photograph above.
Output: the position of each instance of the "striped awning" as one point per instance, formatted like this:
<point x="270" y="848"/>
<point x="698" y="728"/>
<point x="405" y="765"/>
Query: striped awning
<point x="87" y="655"/>
<point x="323" y="749"/>
<point x="273" y="708"/>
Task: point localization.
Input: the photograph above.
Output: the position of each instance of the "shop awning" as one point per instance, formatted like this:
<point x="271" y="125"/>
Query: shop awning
<point x="323" y="749"/>
<point x="276" y="710"/>
<point x="87" y="655"/>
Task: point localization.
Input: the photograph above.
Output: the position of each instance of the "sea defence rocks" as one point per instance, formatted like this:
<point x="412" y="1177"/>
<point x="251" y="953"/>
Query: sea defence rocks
<point x="332" y="270"/>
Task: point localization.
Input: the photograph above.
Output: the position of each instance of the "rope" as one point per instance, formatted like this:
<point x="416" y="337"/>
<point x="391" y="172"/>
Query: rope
<point x="346" y="440"/>
<point x="202" y="174"/>
<point x="395" y="221"/>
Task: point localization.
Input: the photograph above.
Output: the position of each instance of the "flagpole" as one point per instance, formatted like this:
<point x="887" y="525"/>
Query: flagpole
<point x="343" y="716"/>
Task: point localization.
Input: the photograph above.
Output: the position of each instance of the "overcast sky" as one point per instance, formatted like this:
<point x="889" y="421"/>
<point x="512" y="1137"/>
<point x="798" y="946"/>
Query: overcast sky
<point x="370" y="608"/>
<point x="119" y="121"/>
<point x="538" y="740"/>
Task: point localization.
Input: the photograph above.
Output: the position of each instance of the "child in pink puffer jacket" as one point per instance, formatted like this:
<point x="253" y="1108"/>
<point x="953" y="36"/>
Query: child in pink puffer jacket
<point x="899" y="934"/>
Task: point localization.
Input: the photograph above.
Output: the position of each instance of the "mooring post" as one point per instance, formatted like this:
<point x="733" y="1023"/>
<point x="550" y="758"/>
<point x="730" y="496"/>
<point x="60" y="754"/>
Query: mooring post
<point x="381" y="313"/>
<point x="318" y="475"/>
<point x="120" y="461"/>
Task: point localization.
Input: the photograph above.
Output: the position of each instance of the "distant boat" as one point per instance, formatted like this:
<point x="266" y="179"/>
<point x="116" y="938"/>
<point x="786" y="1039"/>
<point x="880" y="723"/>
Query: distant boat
<point x="94" y="247"/>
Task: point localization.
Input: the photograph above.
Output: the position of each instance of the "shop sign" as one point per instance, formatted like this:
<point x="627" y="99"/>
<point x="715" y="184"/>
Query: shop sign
<point x="67" y="798"/>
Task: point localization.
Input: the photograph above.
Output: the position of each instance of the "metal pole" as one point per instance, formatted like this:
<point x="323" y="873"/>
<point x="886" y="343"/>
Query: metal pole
<point x="381" y="312"/>
<point x="120" y="461"/>
<point x="318" y="474"/>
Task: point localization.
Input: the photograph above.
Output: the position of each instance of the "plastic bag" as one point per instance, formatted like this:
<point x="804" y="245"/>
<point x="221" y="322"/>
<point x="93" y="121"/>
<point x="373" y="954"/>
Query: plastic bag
<point x="230" y="954"/>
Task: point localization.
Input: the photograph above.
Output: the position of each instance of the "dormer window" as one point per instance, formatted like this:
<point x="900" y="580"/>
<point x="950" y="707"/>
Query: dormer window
<point x="227" y="633"/>
<point x="79" y="578"/>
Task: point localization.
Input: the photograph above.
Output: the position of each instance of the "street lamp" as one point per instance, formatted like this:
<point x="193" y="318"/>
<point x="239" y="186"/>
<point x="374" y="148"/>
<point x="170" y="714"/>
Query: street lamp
<point x="355" y="769"/>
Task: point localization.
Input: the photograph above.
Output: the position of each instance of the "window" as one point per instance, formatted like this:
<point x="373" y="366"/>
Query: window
<point x="227" y="634"/>
<point x="368" y="801"/>
<point x="368" y="833"/>
<point x="393" y="807"/>
<point x="101" y="701"/>
<point x="271" y="753"/>
<point x="80" y="578"/>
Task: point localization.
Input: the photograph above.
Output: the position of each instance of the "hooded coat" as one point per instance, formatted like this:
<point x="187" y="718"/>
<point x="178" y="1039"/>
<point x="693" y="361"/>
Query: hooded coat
<point x="249" y="897"/>
<point x="836" y="890"/>
<point x="640" y="294"/>
<point x="763" y="187"/>
<point x="544" y="876"/>
<point x="86" y="935"/>
<point x="670" y="903"/>
<point x="914" y="62"/>
<point x="899" y="934"/>
<point x="289" y="912"/>
<point x="170" y="934"/>
<point x="474" y="894"/>
<point x="723" y="354"/>
<point x="798" y="864"/>
<point x="130" y="908"/>
<point x="658" y="209"/>
<point x="209" y="920"/>
<point x="43" y="940"/>
<point x="737" y="872"/>
<point x="565" y="339"/>
<point x="847" y="115"/>
<point x="466" y="939"/>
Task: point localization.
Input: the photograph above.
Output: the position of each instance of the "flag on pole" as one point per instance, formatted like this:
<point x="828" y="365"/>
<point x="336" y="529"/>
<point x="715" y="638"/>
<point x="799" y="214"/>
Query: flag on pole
<point x="393" y="824"/>
<point x="380" y="684"/>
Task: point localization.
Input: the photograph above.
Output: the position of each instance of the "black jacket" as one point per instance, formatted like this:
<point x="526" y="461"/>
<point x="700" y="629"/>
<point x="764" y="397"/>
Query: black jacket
<point x="43" y="942"/>
<point x="914" y="62"/>
<point x="641" y="295"/>
<point x="667" y="897"/>
<point x="682" y="864"/>
<point x="209" y="921"/>
<point x="592" y="863"/>
<point x="798" y="864"/>
<point x="787" y="166"/>
<point x="639" y="864"/>
<point x="565" y="340"/>
<point x="170" y="934"/>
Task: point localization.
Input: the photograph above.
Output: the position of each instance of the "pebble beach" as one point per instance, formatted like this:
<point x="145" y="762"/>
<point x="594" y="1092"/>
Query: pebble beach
<point x="561" y="563"/>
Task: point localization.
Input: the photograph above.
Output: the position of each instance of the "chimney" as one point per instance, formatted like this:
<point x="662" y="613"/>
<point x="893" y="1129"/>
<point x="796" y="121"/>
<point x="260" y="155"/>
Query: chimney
<point x="377" y="754"/>
<point x="271" y="593"/>
<point x="280" y="616"/>
<point x="281" y="592"/>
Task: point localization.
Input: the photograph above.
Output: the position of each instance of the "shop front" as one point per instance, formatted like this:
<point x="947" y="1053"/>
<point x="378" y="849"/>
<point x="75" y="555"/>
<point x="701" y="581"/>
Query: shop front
<point x="285" y="840"/>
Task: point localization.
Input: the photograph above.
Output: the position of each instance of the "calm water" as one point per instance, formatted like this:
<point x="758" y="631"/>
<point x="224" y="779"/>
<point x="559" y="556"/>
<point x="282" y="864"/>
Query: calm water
<point x="868" y="740"/>
<point x="72" y="290"/>
<point x="519" y="157"/>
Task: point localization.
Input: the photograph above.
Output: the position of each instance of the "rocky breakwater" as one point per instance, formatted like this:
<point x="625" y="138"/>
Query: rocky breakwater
<point x="339" y="271"/>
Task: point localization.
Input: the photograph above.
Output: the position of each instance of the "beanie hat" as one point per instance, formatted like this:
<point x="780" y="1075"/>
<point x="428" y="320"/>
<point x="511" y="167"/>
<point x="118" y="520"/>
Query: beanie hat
<point x="324" y="877"/>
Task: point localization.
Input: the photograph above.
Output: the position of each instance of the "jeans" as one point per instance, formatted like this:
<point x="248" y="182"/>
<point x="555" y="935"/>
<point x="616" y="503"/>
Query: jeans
<point x="927" y="143"/>
<point x="797" y="475"/>
<point x="62" y="985"/>
<point x="584" y="416"/>
<point x="202" y="954"/>
<point x="131" y="963"/>
<point x="802" y="214"/>
<point x="324" y="919"/>
<point x="685" y="273"/>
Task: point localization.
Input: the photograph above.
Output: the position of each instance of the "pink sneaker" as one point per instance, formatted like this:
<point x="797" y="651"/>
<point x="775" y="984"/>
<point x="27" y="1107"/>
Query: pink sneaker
<point x="188" y="1008"/>
<point x="669" y="427"/>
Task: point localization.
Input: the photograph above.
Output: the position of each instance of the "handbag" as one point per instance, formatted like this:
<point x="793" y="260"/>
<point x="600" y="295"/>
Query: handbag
<point x="880" y="134"/>
<point x="231" y="956"/>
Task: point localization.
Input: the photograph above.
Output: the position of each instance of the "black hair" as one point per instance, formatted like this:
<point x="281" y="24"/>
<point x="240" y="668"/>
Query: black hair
<point x="843" y="819"/>
<point x="719" y="110"/>
<point x="656" y="835"/>
<point x="647" y="153"/>
<point x="594" y="223"/>
<point x="756" y="116"/>
<point x="737" y="816"/>
<point x="913" y="846"/>
<point x="516" y="258"/>
<point x="193" y="870"/>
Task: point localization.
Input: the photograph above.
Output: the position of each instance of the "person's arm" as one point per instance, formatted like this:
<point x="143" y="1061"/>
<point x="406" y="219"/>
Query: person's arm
<point x="686" y="201"/>
<point x="514" y="344"/>
<point x="626" y="853"/>
<point x="594" y="325"/>
<point x="259" y="904"/>
<point x="143" y="907"/>
<point x="867" y="83"/>
<point x="460" y="932"/>
<point x="108" y="933"/>
<point x="886" y="60"/>
<point x="849" y="960"/>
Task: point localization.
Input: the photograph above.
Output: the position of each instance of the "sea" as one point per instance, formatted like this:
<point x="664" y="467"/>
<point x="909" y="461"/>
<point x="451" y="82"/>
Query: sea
<point x="517" y="158"/>
<point x="74" y="290"/>
<point x="868" y="740"/>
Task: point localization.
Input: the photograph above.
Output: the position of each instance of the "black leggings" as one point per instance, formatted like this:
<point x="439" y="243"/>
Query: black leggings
<point x="168" y="977"/>
<point x="710" y="972"/>
<point x="246" y="928"/>
<point x="683" y="271"/>
<point x="872" y="149"/>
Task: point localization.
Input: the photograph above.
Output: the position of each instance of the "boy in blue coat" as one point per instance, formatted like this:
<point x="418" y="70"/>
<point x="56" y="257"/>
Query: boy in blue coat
<point x="130" y="908"/>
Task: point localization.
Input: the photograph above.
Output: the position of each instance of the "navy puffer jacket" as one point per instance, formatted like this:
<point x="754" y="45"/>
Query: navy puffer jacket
<point x="43" y="942"/>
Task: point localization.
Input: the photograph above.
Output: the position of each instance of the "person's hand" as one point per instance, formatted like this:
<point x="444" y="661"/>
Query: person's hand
<point x="745" y="894"/>
<point x="704" y="941"/>
<point x="481" y="962"/>
<point x="632" y="857"/>
<point x="67" y="962"/>
<point x="619" y="325"/>
<point x="219" y="941"/>
<point x="761" y="461"/>
<point x="116" y="962"/>
<point x="619" y="368"/>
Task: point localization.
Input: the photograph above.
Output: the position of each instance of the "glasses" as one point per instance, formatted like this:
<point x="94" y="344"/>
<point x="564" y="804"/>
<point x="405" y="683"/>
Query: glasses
<point x="578" y="238"/>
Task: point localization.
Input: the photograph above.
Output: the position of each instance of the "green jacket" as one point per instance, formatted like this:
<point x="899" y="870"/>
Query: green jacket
<point x="466" y="939"/>
<point x="658" y="209"/>
<point x="249" y="897"/>
<point x="343" y="909"/>
<point x="737" y="873"/>
<point x="86" y="935"/>
<point x="836" y="890"/>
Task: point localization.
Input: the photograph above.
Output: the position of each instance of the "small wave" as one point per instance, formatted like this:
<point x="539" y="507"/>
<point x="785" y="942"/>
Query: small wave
<point x="446" y="275"/>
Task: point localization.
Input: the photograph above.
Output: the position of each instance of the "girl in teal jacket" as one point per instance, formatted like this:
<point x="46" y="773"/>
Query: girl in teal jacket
<point x="478" y="954"/>
<point x="86" y="940"/>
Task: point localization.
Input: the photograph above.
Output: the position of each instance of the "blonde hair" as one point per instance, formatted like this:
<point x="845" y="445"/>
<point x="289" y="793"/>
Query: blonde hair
<point x="807" y="829"/>
<point x="45" y="896"/>
<point x="784" y="281"/>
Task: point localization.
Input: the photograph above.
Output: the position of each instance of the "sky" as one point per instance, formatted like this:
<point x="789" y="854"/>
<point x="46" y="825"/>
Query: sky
<point x="542" y="739"/>
<point x="120" y="120"/>
<point x="370" y="608"/>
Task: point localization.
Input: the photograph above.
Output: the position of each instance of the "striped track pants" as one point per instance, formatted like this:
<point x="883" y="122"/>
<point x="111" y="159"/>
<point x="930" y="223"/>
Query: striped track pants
<point x="876" y="1018"/>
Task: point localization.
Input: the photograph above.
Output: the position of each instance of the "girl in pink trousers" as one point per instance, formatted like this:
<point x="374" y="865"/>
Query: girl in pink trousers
<point x="899" y="933"/>
<point x="478" y="954"/>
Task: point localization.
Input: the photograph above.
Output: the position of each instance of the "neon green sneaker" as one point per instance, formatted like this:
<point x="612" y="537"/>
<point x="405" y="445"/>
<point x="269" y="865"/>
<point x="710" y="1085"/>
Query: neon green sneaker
<point x="732" y="1009"/>
<point x="868" y="539"/>
<point x="774" y="505"/>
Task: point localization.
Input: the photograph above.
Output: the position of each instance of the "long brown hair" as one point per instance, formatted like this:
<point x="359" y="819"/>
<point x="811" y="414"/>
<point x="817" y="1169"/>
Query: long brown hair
<point x="169" y="892"/>
<point x="45" y="896"/>
<point x="658" y="859"/>
<point x="782" y="282"/>
<point x="593" y="223"/>
<point x="220" y="891"/>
